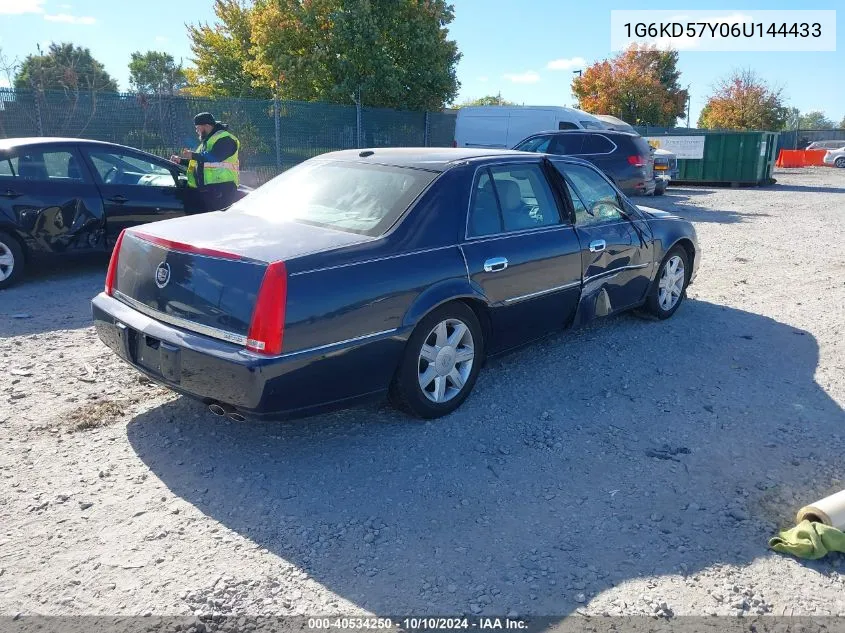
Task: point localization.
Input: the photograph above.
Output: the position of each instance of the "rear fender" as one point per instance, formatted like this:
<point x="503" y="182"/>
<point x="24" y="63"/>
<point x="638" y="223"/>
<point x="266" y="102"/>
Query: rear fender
<point x="438" y="294"/>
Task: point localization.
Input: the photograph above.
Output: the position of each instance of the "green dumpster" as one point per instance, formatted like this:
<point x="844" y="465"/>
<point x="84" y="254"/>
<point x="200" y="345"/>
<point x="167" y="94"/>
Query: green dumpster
<point x="735" y="158"/>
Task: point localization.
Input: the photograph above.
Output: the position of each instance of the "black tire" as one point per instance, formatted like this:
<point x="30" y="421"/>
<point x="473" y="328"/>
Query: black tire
<point x="659" y="191"/>
<point x="652" y="305"/>
<point x="839" y="162"/>
<point x="10" y="251"/>
<point x="405" y="391"/>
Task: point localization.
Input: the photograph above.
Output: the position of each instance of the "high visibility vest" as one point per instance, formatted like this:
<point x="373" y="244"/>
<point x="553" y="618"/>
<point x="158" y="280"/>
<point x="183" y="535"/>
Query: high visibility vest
<point x="227" y="170"/>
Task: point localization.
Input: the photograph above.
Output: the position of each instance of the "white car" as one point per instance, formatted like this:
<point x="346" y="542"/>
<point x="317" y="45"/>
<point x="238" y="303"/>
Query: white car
<point x="835" y="157"/>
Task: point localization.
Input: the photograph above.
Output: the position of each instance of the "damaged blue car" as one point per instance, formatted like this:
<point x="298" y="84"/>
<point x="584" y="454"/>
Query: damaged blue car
<point x="61" y="196"/>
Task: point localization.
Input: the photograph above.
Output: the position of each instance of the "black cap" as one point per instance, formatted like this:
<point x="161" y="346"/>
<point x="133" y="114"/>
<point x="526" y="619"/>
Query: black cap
<point x="204" y="118"/>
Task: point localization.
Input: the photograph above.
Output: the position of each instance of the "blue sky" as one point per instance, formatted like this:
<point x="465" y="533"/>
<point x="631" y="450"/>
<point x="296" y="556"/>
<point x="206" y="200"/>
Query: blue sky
<point x="507" y="45"/>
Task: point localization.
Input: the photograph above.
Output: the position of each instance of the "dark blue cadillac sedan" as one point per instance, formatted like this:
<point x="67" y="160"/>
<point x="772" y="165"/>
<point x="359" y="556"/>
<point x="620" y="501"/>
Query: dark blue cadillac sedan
<point x="365" y="273"/>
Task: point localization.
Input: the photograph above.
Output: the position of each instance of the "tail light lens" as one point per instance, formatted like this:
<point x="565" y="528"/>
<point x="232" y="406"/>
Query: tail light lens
<point x="636" y="161"/>
<point x="266" y="330"/>
<point x="111" y="275"/>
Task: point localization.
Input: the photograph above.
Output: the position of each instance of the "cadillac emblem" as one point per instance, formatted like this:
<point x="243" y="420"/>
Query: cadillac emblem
<point x="162" y="274"/>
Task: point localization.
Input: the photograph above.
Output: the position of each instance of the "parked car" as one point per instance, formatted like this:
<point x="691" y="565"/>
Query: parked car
<point x="501" y="127"/>
<point x="665" y="169"/>
<point x="826" y="145"/>
<point x="835" y="157"/>
<point x="626" y="158"/>
<point x="64" y="195"/>
<point x="389" y="271"/>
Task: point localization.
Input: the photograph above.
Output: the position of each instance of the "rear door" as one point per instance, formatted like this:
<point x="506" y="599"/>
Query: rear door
<point x="617" y="252"/>
<point x="136" y="189"/>
<point x="48" y="195"/>
<point x="522" y="251"/>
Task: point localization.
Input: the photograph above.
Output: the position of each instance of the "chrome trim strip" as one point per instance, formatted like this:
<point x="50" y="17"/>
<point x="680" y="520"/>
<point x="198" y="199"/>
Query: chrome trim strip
<point x="369" y="261"/>
<point x="615" y="271"/>
<point x="229" y="337"/>
<point x="542" y="292"/>
<point x="507" y="234"/>
<point x="338" y="343"/>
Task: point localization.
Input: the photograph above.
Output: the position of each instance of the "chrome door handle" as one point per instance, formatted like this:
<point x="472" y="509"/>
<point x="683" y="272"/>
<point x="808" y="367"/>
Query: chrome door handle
<point x="495" y="264"/>
<point x="597" y="245"/>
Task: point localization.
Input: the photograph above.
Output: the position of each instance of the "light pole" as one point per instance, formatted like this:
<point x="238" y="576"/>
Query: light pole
<point x="576" y="72"/>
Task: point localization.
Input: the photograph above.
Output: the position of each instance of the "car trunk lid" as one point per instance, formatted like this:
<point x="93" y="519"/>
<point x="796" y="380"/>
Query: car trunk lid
<point x="208" y="273"/>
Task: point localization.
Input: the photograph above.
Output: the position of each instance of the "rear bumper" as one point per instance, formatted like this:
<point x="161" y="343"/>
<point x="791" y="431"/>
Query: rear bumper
<point x="210" y="370"/>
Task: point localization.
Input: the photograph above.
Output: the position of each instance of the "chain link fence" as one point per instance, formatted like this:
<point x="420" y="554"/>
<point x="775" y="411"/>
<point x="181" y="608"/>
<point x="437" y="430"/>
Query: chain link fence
<point x="274" y="135"/>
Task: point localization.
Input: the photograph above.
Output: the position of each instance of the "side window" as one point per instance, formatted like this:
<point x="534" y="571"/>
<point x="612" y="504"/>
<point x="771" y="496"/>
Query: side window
<point x="566" y="144"/>
<point x="512" y="198"/>
<point x="484" y="216"/>
<point x="536" y="144"/>
<point x="566" y="125"/>
<point x="6" y="169"/>
<point x="130" y="169"/>
<point x="58" y="165"/>
<point x="596" y="144"/>
<point x="595" y="200"/>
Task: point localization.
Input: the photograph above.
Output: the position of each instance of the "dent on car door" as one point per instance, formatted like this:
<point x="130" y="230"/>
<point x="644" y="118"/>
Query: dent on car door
<point x="617" y="252"/>
<point x="48" y="197"/>
<point x="522" y="252"/>
<point x="136" y="189"/>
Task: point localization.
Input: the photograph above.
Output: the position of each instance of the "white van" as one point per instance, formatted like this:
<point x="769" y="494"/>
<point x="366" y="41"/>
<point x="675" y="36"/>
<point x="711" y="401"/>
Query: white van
<point x="503" y="127"/>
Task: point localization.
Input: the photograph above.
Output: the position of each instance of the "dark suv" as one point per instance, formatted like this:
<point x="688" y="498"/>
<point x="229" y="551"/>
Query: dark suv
<point x="624" y="157"/>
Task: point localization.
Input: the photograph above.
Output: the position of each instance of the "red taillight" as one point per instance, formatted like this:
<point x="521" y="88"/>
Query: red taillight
<point x="111" y="275"/>
<point x="267" y="328"/>
<point x="636" y="161"/>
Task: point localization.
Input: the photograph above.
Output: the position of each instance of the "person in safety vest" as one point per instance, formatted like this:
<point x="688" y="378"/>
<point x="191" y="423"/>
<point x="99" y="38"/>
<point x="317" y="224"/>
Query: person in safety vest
<point x="213" y="169"/>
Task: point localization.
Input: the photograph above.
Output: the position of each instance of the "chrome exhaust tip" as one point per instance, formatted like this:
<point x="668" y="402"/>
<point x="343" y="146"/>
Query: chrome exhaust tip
<point x="237" y="417"/>
<point x="217" y="409"/>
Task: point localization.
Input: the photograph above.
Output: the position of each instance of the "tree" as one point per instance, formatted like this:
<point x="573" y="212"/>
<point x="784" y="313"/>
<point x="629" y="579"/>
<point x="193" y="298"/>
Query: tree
<point x="155" y="73"/>
<point x="64" y="67"/>
<point x="743" y="101"/>
<point x="390" y="53"/>
<point x="489" y="100"/>
<point x="222" y="53"/>
<point x="640" y="86"/>
<point x="793" y="119"/>
<point x="842" y="124"/>
<point x="815" y="120"/>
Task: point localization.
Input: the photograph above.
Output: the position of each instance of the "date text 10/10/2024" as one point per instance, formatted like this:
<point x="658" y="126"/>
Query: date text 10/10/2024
<point x="417" y="623"/>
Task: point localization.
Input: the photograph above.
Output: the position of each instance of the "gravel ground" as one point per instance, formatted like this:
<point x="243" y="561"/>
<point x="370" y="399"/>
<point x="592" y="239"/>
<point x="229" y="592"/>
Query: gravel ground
<point x="631" y="467"/>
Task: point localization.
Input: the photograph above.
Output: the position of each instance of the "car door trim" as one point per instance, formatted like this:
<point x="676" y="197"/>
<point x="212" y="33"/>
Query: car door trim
<point x="614" y="271"/>
<point x="540" y="293"/>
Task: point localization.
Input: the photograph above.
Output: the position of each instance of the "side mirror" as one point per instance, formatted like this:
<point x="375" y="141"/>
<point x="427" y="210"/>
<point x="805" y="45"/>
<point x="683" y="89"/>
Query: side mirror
<point x="182" y="181"/>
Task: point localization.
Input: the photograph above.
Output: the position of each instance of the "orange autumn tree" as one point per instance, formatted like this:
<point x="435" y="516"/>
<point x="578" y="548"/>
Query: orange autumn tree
<point x="640" y="86"/>
<point x="743" y="101"/>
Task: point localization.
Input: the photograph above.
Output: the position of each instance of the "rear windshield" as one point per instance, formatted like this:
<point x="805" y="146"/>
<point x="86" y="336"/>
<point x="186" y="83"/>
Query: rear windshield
<point x="352" y="197"/>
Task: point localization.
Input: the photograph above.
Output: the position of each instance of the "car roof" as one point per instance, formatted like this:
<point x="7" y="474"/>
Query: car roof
<point x="430" y="158"/>
<point x="587" y="131"/>
<point x="12" y="143"/>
